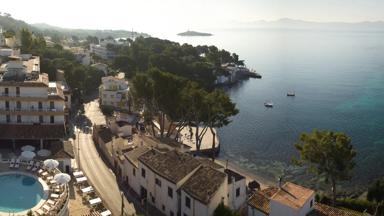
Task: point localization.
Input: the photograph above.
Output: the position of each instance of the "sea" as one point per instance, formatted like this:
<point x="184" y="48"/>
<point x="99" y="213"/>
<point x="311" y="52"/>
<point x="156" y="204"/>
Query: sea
<point x="338" y="78"/>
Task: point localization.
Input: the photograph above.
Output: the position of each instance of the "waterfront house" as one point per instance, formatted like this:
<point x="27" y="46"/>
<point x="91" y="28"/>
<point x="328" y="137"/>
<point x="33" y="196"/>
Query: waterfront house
<point x="237" y="189"/>
<point x="161" y="175"/>
<point x="203" y="192"/>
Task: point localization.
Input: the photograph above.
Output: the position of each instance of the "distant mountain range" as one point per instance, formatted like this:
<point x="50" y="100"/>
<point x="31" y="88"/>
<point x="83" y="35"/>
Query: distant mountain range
<point x="8" y="23"/>
<point x="301" y="24"/>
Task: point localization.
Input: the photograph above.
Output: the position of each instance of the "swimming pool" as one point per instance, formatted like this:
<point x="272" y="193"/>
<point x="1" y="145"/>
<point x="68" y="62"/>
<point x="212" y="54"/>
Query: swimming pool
<point x="19" y="192"/>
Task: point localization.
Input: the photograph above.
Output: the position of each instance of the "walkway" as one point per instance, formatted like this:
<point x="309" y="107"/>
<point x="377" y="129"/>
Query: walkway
<point x="99" y="175"/>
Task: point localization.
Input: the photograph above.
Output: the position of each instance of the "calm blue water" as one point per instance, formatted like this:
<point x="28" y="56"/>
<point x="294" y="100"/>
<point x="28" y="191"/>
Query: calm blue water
<point x="338" y="78"/>
<point x="19" y="192"/>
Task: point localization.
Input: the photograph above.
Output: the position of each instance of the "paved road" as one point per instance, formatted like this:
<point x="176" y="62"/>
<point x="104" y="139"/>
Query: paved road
<point x="100" y="176"/>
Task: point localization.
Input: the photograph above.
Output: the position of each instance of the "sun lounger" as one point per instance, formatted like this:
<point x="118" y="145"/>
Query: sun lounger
<point x="81" y="179"/>
<point x="53" y="195"/>
<point x="49" y="178"/>
<point x="51" y="202"/>
<point x="105" y="213"/>
<point x="30" y="165"/>
<point x="87" y="189"/>
<point x="95" y="201"/>
<point x="36" y="167"/>
<point x="46" y="207"/>
<point x="78" y="174"/>
<point x="52" y="182"/>
<point x="17" y="164"/>
<point x="12" y="163"/>
<point x="40" y="212"/>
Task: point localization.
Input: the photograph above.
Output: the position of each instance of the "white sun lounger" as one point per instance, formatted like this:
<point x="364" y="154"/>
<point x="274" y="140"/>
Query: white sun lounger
<point x="37" y="166"/>
<point x="106" y="213"/>
<point x="30" y="165"/>
<point x="12" y="163"/>
<point x="53" y="195"/>
<point x="46" y="207"/>
<point x="51" y="202"/>
<point x="95" y="201"/>
<point x="87" y="189"/>
<point x="17" y="164"/>
<point x="81" y="179"/>
<point x="78" y="174"/>
<point x="40" y="212"/>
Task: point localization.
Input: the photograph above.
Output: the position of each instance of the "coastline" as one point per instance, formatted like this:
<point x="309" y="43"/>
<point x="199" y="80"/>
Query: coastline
<point x="264" y="183"/>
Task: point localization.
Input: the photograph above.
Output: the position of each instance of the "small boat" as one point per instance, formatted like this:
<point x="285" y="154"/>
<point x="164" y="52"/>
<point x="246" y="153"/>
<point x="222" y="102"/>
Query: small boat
<point x="291" y="94"/>
<point x="268" y="104"/>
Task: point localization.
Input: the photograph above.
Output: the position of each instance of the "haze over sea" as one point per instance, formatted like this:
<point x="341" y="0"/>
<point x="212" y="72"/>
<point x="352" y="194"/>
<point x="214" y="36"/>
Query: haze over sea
<point x="338" y="77"/>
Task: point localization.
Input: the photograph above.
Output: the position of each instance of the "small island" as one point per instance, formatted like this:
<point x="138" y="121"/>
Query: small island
<point x="194" y="33"/>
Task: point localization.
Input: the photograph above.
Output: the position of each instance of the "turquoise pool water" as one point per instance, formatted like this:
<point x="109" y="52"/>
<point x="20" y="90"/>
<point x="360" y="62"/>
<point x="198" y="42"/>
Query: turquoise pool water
<point x="19" y="192"/>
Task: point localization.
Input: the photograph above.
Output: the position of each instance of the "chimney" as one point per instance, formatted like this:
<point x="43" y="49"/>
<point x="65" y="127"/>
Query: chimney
<point x="280" y="181"/>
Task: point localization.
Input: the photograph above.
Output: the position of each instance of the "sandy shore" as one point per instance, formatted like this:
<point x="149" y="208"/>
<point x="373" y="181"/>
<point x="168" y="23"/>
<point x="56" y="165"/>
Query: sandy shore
<point x="248" y="175"/>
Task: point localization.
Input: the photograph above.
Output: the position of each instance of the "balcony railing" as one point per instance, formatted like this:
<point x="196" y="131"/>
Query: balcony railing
<point x="31" y="109"/>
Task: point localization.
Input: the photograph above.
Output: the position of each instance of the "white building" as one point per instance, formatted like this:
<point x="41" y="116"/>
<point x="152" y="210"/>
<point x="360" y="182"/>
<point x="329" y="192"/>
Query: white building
<point x="31" y="107"/>
<point x="203" y="192"/>
<point x="113" y="92"/>
<point x="161" y="175"/>
<point x="101" y="49"/>
<point x="237" y="189"/>
<point x="290" y="200"/>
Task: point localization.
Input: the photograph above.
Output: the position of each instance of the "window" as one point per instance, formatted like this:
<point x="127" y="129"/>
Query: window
<point x="18" y="118"/>
<point x="311" y="204"/>
<point x="6" y="91"/>
<point x="41" y="119"/>
<point x="158" y="182"/>
<point x="163" y="207"/>
<point x="185" y="214"/>
<point x="153" y="199"/>
<point x="8" y="118"/>
<point x="170" y="192"/>
<point x="134" y="171"/>
<point x="66" y="98"/>
<point x="237" y="192"/>
<point x="188" y="202"/>
<point x="18" y="105"/>
<point x="171" y="213"/>
<point x="40" y="105"/>
<point x="52" y="119"/>
<point x="18" y="91"/>
<point x="143" y="172"/>
<point x="7" y="105"/>
<point x="52" y="105"/>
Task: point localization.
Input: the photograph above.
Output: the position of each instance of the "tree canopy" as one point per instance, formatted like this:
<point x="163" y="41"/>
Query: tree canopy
<point x="327" y="153"/>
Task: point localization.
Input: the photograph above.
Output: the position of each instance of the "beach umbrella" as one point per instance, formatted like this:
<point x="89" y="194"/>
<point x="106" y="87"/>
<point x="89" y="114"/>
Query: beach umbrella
<point x="51" y="163"/>
<point x="28" y="155"/>
<point x="62" y="178"/>
<point x="44" y="153"/>
<point x="28" y="148"/>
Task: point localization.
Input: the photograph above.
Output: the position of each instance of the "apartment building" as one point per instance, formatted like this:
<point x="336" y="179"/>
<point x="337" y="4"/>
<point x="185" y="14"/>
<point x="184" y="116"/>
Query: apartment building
<point x="31" y="107"/>
<point x="101" y="49"/>
<point x="113" y="92"/>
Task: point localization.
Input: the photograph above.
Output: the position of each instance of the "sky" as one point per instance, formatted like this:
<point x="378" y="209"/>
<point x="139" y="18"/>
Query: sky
<point x="179" y="15"/>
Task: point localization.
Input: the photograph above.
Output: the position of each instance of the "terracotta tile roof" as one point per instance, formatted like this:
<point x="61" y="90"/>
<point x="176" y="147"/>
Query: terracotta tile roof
<point x="260" y="202"/>
<point x="171" y="165"/>
<point x="293" y="195"/>
<point x="204" y="183"/>
<point x="133" y="155"/>
<point x="19" y="131"/>
<point x="325" y="210"/>
<point x="261" y="199"/>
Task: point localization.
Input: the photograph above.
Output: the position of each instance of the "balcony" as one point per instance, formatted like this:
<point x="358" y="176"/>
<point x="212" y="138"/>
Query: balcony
<point x="24" y="97"/>
<point x="31" y="111"/>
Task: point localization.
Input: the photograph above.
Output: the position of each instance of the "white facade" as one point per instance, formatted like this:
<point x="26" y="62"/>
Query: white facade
<point x="278" y="208"/>
<point x="198" y="208"/>
<point x="101" y="49"/>
<point x="160" y="196"/>
<point x="255" y="212"/>
<point x="237" y="193"/>
<point x="114" y="92"/>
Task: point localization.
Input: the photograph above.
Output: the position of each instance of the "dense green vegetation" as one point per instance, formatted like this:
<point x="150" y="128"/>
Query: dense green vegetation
<point x="223" y="210"/>
<point x="199" y="64"/>
<point x="182" y="103"/>
<point x="328" y="154"/>
<point x="79" y="77"/>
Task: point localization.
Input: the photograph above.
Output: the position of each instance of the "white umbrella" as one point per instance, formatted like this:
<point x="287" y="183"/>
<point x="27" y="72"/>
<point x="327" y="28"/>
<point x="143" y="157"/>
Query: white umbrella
<point x="51" y="163"/>
<point x="28" y="148"/>
<point x="28" y="155"/>
<point x="62" y="178"/>
<point x="44" y="153"/>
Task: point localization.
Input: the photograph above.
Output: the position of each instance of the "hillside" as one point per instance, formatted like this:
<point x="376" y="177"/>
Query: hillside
<point x="9" y="23"/>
